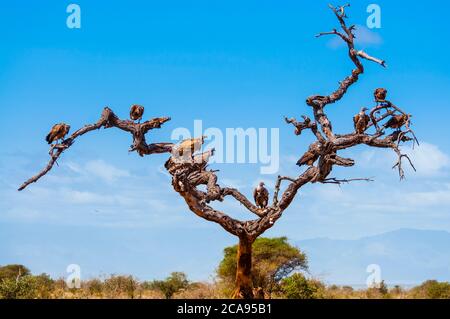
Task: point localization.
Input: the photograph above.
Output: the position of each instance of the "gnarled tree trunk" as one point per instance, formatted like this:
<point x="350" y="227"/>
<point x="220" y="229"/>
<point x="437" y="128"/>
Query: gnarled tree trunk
<point x="322" y="155"/>
<point x="244" y="284"/>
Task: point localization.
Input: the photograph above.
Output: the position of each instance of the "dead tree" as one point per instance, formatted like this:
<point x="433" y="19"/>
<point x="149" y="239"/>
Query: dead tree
<point x="190" y="172"/>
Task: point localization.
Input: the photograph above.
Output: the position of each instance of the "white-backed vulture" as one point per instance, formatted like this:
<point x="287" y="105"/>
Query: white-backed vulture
<point x="136" y="112"/>
<point x="361" y="120"/>
<point x="261" y="196"/>
<point x="58" y="131"/>
<point x="397" y="121"/>
<point x="380" y="95"/>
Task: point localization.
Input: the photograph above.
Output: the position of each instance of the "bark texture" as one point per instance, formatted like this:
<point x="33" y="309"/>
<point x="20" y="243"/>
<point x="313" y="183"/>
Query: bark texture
<point x="199" y="187"/>
<point x="244" y="285"/>
<point x="189" y="174"/>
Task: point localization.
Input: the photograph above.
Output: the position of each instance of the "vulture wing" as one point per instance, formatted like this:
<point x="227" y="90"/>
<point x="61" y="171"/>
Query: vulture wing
<point x="393" y="122"/>
<point x="310" y="156"/>
<point x="355" y="120"/>
<point x="265" y="196"/>
<point x="54" y="133"/>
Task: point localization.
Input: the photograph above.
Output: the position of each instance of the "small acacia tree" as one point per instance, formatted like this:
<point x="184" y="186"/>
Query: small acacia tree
<point x="273" y="260"/>
<point x="190" y="174"/>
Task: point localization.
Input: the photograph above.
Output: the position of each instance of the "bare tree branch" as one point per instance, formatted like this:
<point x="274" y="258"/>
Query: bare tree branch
<point x="190" y="172"/>
<point x="107" y="120"/>
<point x="344" y="181"/>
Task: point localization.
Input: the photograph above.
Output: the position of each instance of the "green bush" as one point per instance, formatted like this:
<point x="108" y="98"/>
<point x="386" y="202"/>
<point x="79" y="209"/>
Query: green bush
<point x="13" y="271"/>
<point x="272" y="260"/>
<point x="115" y="286"/>
<point x="176" y="282"/>
<point x="94" y="287"/>
<point x="298" y="287"/>
<point x="44" y="286"/>
<point x="24" y="287"/>
<point x="432" y="289"/>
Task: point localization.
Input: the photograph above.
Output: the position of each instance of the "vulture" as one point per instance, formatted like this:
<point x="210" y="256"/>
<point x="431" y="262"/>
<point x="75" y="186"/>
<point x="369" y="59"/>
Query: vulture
<point x="136" y="112"/>
<point x="203" y="158"/>
<point x="361" y="120"/>
<point x="261" y="196"/>
<point x="380" y="95"/>
<point x="311" y="155"/>
<point x="191" y="145"/>
<point x="58" y="131"/>
<point x="397" y="121"/>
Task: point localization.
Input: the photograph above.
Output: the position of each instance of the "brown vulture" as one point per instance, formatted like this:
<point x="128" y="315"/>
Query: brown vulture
<point x="58" y="131"/>
<point x="203" y="158"/>
<point x="136" y="112"/>
<point x="397" y="121"/>
<point x="380" y="95"/>
<point x="261" y="196"/>
<point x="311" y="155"/>
<point x="361" y="120"/>
<point x="190" y="146"/>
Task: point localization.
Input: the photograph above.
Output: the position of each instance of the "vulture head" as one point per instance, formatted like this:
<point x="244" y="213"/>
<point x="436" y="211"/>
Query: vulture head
<point x="380" y="94"/>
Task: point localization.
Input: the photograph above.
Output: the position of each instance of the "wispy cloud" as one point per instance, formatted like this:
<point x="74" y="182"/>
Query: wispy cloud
<point x="364" y="37"/>
<point x="428" y="159"/>
<point x="99" y="168"/>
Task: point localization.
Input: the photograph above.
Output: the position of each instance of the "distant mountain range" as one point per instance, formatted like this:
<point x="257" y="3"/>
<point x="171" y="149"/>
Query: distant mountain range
<point x="406" y="257"/>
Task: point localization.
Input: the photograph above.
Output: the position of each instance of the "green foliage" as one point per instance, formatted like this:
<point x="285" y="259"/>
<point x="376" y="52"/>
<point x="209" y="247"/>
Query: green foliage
<point x="383" y="289"/>
<point x="120" y="285"/>
<point x="24" y="287"/>
<point x="172" y="284"/>
<point x="44" y="286"/>
<point x="94" y="287"/>
<point x="298" y="287"/>
<point x="432" y="289"/>
<point x="269" y="257"/>
<point x="16" y="282"/>
<point x="13" y="271"/>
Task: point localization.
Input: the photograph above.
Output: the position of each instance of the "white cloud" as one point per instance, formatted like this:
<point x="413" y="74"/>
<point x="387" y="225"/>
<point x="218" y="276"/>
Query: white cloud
<point x="85" y="197"/>
<point x="363" y="37"/>
<point x="437" y="197"/>
<point x="234" y="183"/>
<point x="428" y="159"/>
<point x="100" y="169"/>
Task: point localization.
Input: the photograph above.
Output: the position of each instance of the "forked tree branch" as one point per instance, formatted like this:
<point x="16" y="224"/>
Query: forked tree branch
<point x="191" y="172"/>
<point x="323" y="153"/>
<point x="107" y="120"/>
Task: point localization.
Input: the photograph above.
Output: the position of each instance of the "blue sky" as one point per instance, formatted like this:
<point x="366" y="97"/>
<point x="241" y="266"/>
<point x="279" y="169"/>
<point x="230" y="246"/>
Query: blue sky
<point x="230" y="64"/>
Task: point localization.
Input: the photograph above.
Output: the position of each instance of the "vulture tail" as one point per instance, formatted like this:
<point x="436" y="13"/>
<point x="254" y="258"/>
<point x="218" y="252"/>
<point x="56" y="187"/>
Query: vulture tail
<point x="48" y="138"/>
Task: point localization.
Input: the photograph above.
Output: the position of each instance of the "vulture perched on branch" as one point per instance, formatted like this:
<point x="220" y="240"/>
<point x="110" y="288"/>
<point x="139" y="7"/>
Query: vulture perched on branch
<point x="397" y="121"/>
<point x="189" y="146"/>
<point x="203" y="159"/>
<point x="380" y="95"/>
<point x="361" y="120"/>
<point x="136" y="112"/>
<point x="58" y="131"/>
<point x="261" y="196"/>
<point x="311" y="155"/>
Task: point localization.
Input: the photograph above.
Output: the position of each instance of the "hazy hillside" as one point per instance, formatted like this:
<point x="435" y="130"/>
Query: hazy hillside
<point x="406" y="256"/>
